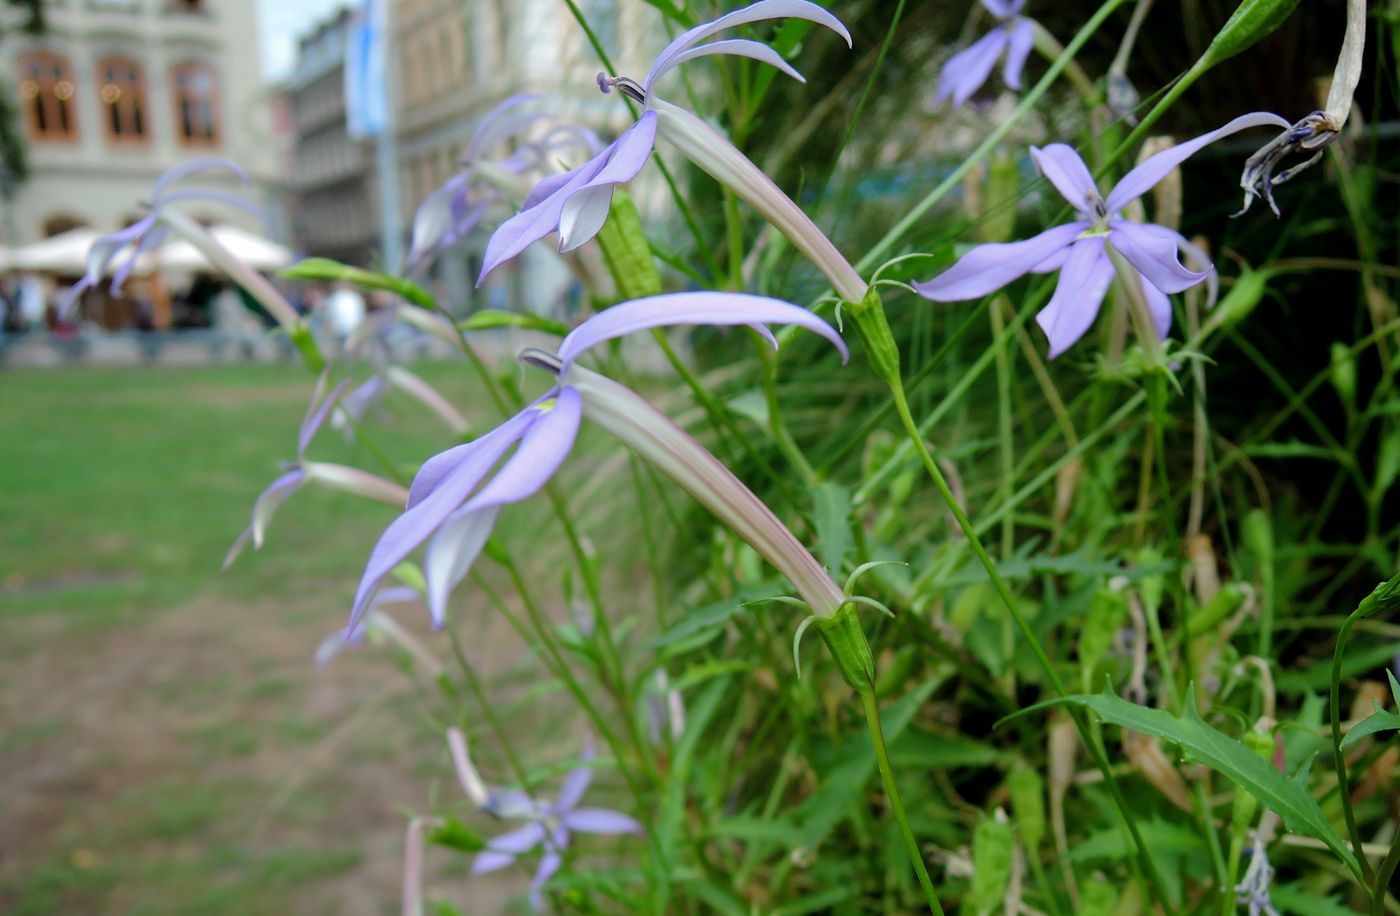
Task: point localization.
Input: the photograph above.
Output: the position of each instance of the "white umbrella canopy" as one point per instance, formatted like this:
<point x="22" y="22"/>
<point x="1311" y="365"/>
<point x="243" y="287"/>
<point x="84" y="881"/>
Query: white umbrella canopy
<point x="65" y="253"/>
<point x="257" y="252"/>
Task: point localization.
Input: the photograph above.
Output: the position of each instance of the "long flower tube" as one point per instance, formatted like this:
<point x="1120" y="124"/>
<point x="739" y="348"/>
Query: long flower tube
<point x="576" y="203"/>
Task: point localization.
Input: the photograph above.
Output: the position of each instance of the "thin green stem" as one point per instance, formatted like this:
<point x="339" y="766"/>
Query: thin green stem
<point x="882" y="760"/>
<point x="1339" y="759"/>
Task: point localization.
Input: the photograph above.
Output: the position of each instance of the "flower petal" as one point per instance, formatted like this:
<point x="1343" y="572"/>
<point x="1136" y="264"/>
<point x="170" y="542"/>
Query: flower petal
<point x="1003" y="9"/>
<point x="315" y="417"/>
<point x="1142" y="178"/>
<point x="412" y="528"/>
<point x="1018" y="48"/>
<point x="1083" y="282"/>
<point x="1154" y="250"/>
<point x="543" y="448"/>
<point x="599" y="820"/>
<point x="502" y="850"/>
<point x="691" y="308"/>
<point x="495" y="127"/>
<point x="451" y="553"/>
<point x="193" y="167"/>
<point x="966" y="71"/>
<point x="757" y="12"/>
<point x="267" y="503"/>
<point x="1159" y="305"/>
<point x="549" y="184"/>
<point x="740" y="47"/>
<point x="549" y="865"/>
<point x="586" y="209"/>
<point x="1063" y="168"/>
<point x="439" y="467"/>
<point x="988" y="268"/>
<point x="436" y="218"/>
<point x="576" y="783"/>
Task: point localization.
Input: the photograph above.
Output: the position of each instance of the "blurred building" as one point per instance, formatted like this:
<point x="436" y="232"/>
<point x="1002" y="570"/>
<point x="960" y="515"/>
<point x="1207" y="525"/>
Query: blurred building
<point x="454" y="61"/>
<point x="117" y="91"/>
<point x="333" y="176"/>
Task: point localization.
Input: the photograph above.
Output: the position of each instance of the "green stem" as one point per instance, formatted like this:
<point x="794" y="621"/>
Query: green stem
<point x="776" y="426"/>
<point x="882" y="760"/>
<point x="1144" y="857"/>
<point x="1338" y="758"/>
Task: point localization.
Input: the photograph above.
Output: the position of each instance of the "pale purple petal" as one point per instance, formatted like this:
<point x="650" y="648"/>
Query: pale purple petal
<point x="549" y="865"/>
<point x="583" y="216"/>
<point x="599" y="820"/>
<point x="502" y="850"/>
<point x="585" y="209"/>
<point x="547" y="185"/>
<point x="148" y="242"/>
<point x="630" y="151"/>
<point x="1063" y="168"/>
<point x="987" y="268"/>
<point x="543" y="448"/>
<point x="451" y="553"/>
<point x="398" y="594"/>
<point x="223" y="197"/>
<point x="1083" y="282"/>
<point x="1018" y="48"/>
<point x="966" y="71"/>
<point x="193" y="167"/>
<point x="1142" y="178"/>
<point x="740" y="47"/>
<point x="1159" y="306"/>
<point x="576" y="783"/>
<point x="691" y="308"/>
<point x="316" y="413"/>
<point x="1052" y="263"/>
<point x="267" y="503"/>
<point x="1155" y="251"/>
<point x="440" y="466"/>
<point x="757" y="12"/>
<point x="495" y="126"/>
<point x="412" y="528"/>
<point x="436" y="217"/>
<point x="1003" y="9"/>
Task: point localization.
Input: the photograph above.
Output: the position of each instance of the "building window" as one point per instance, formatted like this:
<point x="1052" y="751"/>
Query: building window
<point x="123" y="92"/>
<point x="46" y="89"/>
<point x="196" y="104"/>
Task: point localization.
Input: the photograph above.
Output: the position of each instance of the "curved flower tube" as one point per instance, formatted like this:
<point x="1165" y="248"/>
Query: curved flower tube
<point x="966" y="71"/>
<point x="454" y="500"/>
<point x="575" y="204"/>
<point x="1080" y="250"/>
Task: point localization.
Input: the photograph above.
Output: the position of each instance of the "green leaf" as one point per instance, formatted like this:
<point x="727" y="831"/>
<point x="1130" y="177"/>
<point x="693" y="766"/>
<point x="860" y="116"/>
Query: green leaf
<point x="833" y="510"/>
<point x="330" y="271"/>
<point x="487" y="319"/>
<point x="1226" y="756"/>
<point x="1382" y="720"/>
<point x="759" y="830"/>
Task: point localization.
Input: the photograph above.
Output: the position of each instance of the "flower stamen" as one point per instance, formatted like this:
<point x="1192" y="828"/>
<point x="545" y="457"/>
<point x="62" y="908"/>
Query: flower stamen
<point x="624" y="84"/>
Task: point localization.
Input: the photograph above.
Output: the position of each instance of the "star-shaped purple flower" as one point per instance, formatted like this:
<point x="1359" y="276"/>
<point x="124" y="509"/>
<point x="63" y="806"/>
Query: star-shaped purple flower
<point x="1080" y="249"/>
<point x="966" y="71"/>
<point x="451" y="500"/>
<point x="551" y="825"/>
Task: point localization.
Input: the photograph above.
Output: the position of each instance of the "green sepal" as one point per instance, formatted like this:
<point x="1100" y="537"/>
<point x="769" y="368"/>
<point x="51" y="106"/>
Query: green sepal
<point x="626" y="252"/>
<point x="874" y="331"/>
<point x="843" y="635"/>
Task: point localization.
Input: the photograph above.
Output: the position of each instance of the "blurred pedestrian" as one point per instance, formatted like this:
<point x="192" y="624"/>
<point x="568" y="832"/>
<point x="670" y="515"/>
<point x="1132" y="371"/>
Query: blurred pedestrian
<point x="345" y="309"/>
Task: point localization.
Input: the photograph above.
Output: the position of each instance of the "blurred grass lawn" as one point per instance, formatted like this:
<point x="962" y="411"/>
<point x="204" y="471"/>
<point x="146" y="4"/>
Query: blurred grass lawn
<point x="150" y="708"/>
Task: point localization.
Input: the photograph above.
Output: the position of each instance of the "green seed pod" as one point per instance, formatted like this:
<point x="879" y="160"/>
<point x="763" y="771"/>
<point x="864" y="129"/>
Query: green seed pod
<point x="1209" y="615"/>
<point x="874" y="330"/>
<point x="626" y="252"/>
<point x="1243" y="297"/>
<point x="1028" y="806"/>
<point x="1344" y="373"/>
<point x="1252" y="21"/>
<point x="993" y="847"/>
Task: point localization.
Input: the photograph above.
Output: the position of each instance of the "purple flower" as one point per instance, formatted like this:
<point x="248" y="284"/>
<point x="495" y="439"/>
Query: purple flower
<point x="551" y="825"/>
<point x="302" y="471"/>
<point x="966" y="71"/>
<point x="450" y="213"/>
<point x="120" y="251"/>
<point x="575" y="203"/>
<point x="1080" y="249"/>
<point x="452" y="501"/>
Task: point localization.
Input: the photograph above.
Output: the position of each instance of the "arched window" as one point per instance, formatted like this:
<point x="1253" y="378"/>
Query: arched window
<point x="46" y="89"/>
<point x="195" y="90"/>
<point x="122" y="88"/>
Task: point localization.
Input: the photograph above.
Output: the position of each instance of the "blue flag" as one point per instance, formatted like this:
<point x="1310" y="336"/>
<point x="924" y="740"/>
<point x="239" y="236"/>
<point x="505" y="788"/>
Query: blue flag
<point x="366" y="83"/>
